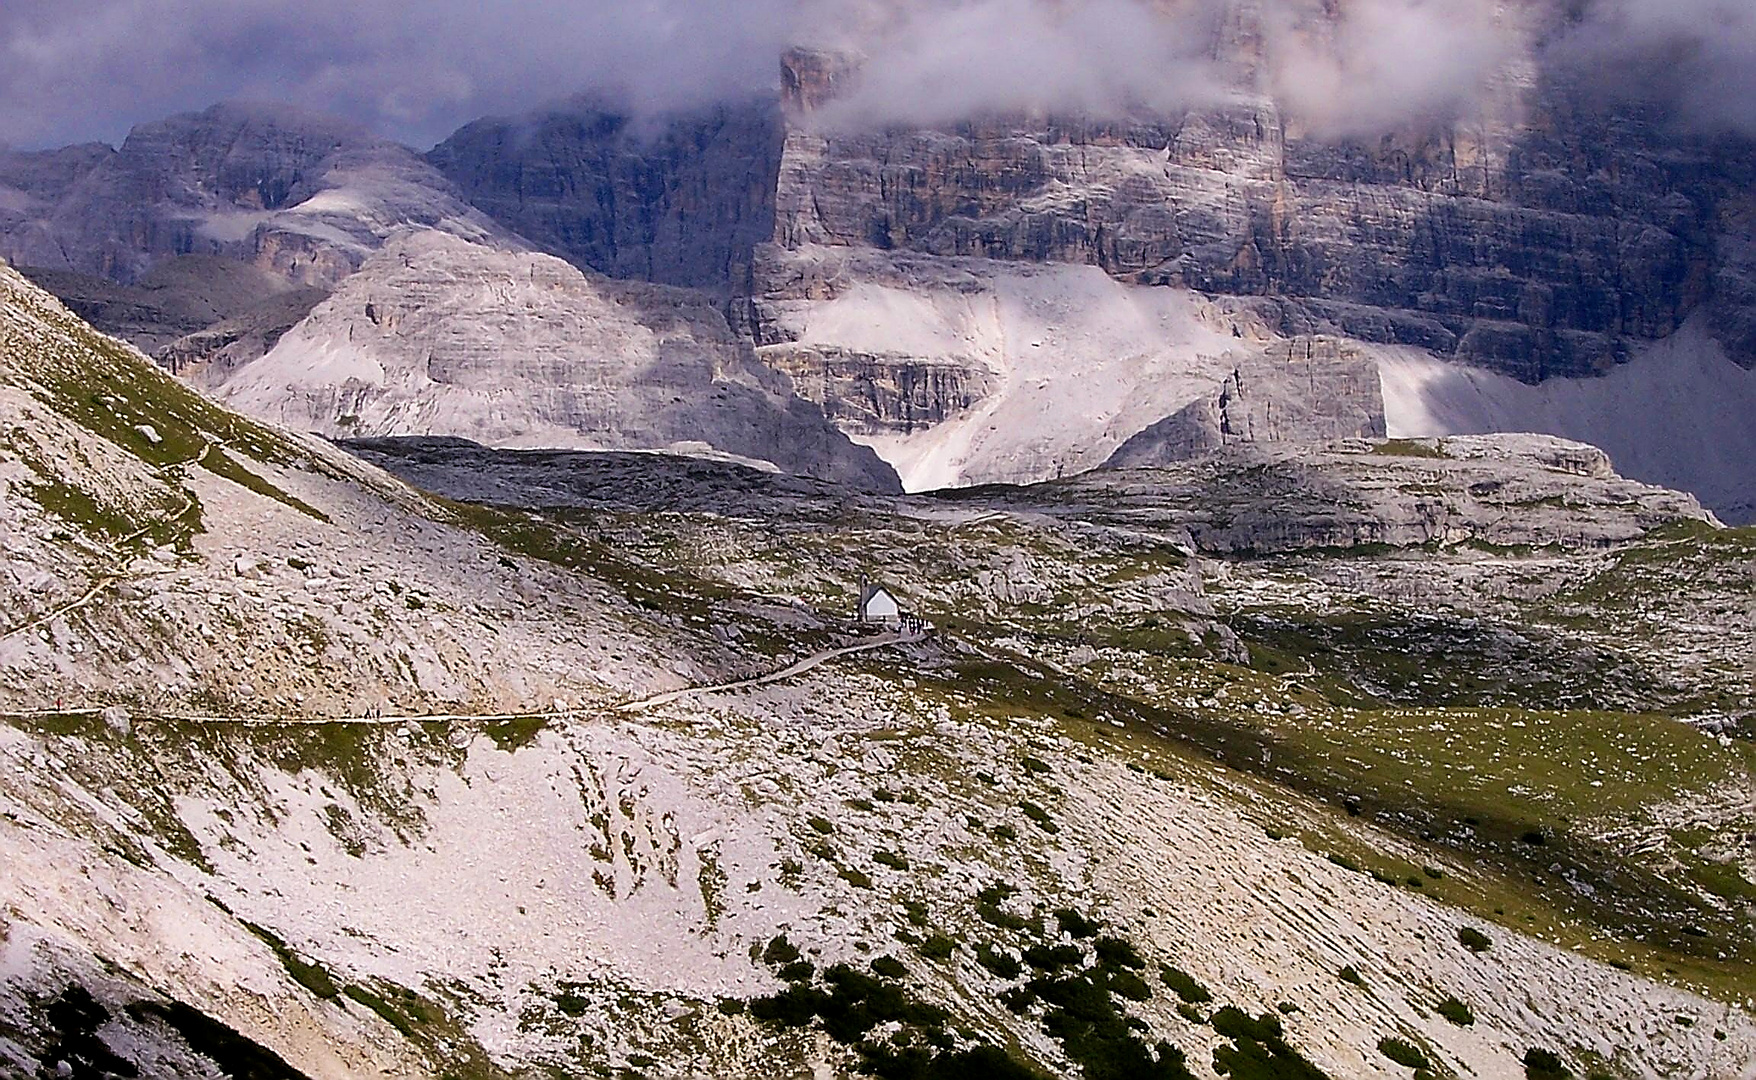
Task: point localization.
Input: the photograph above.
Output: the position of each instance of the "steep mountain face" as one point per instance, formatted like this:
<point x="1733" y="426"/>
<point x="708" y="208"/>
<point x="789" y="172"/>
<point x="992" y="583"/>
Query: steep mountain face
<point x="580" y="769"/>
<point x="681" y="202"/>
<point x="207" y="236"/>
<point x="304" y="196"/>
<point x="1544" y="235"/>
<point x="437" y="335"/>
<point x="1304" y="389"/>
<point x="1013" y="371"/>
<point x="1539" y="236"/>
<point x="1537" y="239"/>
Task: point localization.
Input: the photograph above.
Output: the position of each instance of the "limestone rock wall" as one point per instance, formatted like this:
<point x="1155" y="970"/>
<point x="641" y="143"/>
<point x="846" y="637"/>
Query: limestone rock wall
<point x="305" y="197"/>
<point x="682" y="203"/>
<point x="439" y="336"/>
<point x="868" y="392"/>
<point x="1538" y="237"/>
<point x="1301" y="390"/>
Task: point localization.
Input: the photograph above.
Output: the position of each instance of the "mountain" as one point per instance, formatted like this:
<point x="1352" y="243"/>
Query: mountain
<point x="1310" y="761"/>
<point x="205" y="236"/>
<point x="211" y="239"/>
<point x="681" y="202"/>
<point x="437" y="335"/>
<point x="1541" y="248"/>
<point x="304" y="196"/>
<point x="1014" y="297"/>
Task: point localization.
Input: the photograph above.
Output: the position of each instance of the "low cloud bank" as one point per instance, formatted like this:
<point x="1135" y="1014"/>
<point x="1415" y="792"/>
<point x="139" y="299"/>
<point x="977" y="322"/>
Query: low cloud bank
<point x="88" y="69"/>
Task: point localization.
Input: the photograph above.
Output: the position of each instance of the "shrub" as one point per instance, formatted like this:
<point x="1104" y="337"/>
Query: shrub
<point x="1005" y="965"/>
<point x="1115" y="952"/>
<point x="1052" y="957"/>
<point x="1040" y="816"/>
<point x="798" y="971"/>
<point x="889" y="967"/>
<point x="780" y="951"/>
<point x="572" y="1004"/>
<point x="1403" y="1052"/>
<point x="1456" y="1012"/>
<point x="1350" y="975"/>
<point x="890" y="859"/>
<point x="1034" y="765"/>
<point x="1234" y="1023"/>
<point x="1129" y="985"/>
<point x="1542" y="1064"/>
<point x="1184" y="985"/>
<point x="822" y="825"/>
<point x="1472" y="939"/>
<point x="937" y="947"/>
<point x="1073" y="924"/>
<point x="857" y="878"/>
<point x="995" y="893"/>
<point x="1005" y="920"/>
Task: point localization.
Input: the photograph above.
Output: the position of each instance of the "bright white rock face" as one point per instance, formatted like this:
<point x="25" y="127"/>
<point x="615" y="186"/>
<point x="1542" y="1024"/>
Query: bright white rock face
<point x="439" y="336"/>
<point x="1678" y="414"/>
<point x="1072" y="362"/>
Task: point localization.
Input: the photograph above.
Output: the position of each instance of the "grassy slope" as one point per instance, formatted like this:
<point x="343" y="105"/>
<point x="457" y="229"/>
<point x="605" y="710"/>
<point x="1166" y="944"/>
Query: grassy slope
<point x="1570" y="813"/>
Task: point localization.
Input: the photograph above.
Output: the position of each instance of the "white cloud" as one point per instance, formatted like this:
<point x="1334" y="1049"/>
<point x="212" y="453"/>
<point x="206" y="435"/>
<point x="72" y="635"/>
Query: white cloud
<point x="73" y="69"/>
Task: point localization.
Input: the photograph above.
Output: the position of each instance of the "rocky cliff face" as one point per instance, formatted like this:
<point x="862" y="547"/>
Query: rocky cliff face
<point x="436" y="335"/>
<point x="683" y="202"/>
<point x="1541" y="235"/>
<point x="962" y="371"/>
<point x="1537" y="241"/>
<point x="1300" y="390"/>
<point x="1507" y="491"/>
<point x="180" y="295"/>
<point x="872" y="393"/>
<point x="305" y="197"/>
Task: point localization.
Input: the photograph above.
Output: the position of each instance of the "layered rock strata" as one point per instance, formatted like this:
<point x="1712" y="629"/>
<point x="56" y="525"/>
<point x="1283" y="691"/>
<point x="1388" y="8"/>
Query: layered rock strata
<point x="436" y="335"/>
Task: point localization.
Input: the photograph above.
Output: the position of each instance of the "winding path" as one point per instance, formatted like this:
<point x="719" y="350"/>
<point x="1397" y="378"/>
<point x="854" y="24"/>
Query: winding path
<point x="791" y="671"/>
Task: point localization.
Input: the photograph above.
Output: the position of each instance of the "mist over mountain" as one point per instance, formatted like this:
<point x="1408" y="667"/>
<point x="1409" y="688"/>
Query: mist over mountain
<point x="90" y="69"/>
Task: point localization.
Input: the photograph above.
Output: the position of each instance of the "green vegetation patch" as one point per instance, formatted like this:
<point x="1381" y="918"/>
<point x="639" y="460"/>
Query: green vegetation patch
<point x="512" y="736"/>
<point x="1259" y="1049"/>
<point x="1403" y="1052"/>
<point x="1184" y="985"/>
<point x="1541" y="1064"/>
<point x="1409" y="448"/>
<point x="311" y="975"/>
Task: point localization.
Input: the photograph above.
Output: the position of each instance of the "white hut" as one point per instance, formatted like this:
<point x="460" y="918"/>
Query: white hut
<point x="877" y="605"/>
